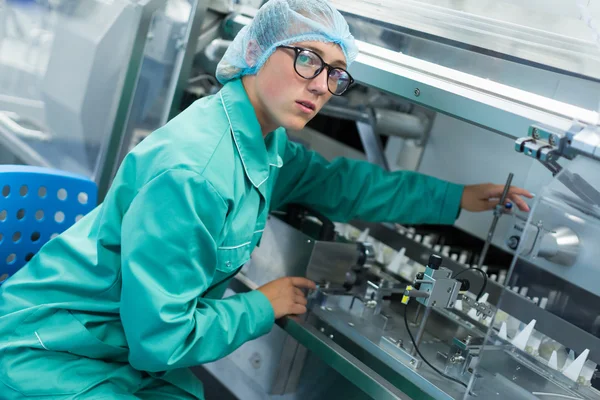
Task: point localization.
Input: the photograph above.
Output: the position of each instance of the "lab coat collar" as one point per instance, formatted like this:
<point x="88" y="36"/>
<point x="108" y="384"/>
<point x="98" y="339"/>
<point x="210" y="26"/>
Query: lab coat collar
<point x="257" y="154"/>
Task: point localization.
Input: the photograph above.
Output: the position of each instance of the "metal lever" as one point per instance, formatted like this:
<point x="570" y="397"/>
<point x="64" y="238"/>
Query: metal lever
<point x="498" y="211"/>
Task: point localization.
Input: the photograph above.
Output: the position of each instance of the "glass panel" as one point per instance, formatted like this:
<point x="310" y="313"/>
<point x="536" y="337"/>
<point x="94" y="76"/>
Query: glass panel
<point x="160" y="70"/>
<point x="545" y="49"/>
<point x="61" y="78"/>
<point x="62" y="66"/>
<point x="555" y="348"/>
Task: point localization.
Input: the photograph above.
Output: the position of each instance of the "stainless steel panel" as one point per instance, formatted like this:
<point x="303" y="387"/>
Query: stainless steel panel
<point x="283" y="251"/>
<point x="289" y="368"/>
<point x="330" y="261"/>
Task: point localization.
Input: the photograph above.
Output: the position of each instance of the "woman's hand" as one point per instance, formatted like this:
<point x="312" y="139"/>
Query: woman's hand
<point x="486" y="196"/>
<point x="286" y="296"/>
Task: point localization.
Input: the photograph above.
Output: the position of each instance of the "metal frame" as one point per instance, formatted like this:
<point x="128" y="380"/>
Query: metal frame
<point x="341" y="360"/>
<point x="330" y="352"/>
<point x="488" y="104"/>
<point x="513" y="303"/>
<point x="184" y="59"/>
<point x="494" y="106"/>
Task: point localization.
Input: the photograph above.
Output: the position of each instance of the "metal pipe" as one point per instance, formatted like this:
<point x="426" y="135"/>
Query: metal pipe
<point x="497" y="215"/>
<point x="349" y="114"/>
<point x="418" y="313"/>
<point x="421" y="330"/>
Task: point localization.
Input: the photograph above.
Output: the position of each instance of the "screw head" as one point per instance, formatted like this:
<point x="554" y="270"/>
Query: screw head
<point x="535" y="133"/>
<point x="351" y="324"/>
<point x="417" y="92"/>
<point x="552" y="140"/>
<point x="412" y="362"/>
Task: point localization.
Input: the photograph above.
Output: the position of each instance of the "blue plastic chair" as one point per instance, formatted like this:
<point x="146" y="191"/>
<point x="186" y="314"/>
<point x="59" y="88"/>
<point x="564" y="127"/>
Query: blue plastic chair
<point x="37" y="204"/>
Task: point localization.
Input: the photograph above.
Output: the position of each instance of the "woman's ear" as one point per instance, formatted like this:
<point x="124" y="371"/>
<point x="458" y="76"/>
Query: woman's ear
<point x="252" y="53"/>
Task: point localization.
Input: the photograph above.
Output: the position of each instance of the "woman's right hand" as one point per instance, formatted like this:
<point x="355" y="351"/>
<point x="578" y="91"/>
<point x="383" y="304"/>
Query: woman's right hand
<point x="286" y="296"/>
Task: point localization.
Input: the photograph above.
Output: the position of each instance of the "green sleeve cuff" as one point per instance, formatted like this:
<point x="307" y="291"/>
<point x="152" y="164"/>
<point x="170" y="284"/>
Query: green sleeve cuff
<point x="264" y="316"/>
<point x="451" y="206"/>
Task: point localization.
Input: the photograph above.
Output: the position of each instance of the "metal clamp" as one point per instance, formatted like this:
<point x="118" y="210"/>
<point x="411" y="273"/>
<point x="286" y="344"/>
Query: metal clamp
<point x="482" y="308"/>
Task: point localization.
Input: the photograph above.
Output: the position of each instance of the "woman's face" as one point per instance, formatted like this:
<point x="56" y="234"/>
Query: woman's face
<point x="285" y="98"/>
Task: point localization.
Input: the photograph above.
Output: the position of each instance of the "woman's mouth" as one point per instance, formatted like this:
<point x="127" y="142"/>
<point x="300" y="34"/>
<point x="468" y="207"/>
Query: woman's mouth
<point x="306" y="106"/>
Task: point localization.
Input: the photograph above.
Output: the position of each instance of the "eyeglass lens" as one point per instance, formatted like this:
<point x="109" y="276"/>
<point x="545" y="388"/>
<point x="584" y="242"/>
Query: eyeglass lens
<point x="309" y="65"/>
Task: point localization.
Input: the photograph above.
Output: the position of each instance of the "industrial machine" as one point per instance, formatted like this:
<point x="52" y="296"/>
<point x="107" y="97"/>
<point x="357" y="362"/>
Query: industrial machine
<point x="502" y="305"/>
<point x="498" y="306"/>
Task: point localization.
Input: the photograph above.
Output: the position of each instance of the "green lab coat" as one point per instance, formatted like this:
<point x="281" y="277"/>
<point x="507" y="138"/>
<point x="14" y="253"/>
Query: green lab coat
<point x="130" y="296"/>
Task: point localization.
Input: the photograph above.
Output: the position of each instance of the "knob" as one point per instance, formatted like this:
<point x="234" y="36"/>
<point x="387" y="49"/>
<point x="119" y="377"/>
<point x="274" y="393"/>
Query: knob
<point x="366" y="254"/>
<point x="435" y="261"/>
<point x="513" y="242"/>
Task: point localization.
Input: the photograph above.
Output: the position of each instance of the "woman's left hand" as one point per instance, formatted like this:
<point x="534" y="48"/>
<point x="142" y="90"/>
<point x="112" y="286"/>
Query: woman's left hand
<point x="485" y="196"/>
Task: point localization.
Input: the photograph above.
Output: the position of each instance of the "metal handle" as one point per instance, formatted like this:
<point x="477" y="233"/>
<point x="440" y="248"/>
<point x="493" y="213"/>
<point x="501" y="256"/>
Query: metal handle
<point x="10" y="121"/>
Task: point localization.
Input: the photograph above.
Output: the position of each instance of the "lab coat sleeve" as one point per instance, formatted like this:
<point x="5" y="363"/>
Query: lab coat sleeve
<point x="170" y="234"/>
<point x="347" y="189"/>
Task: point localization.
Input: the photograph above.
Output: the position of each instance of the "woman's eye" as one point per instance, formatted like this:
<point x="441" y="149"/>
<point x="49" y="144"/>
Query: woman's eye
<point x="306" y="59"/>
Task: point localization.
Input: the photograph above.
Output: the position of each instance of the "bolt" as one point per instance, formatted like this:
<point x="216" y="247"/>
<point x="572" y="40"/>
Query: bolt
<point x="351" y="324"/>
<point x="322" y="330"/>
<point x="552" y="140"/>
<point x="535" y="133"/>
<point x="514" y="378"/>
<point x="329" y="309"/>
<point x="330" y="336"/>
<point x="308" y="241"/>
<point x="412" y="362"/>
<point x="417" y="92"/>
<point x="434" y="303"/>
<point x="449" y="290"/>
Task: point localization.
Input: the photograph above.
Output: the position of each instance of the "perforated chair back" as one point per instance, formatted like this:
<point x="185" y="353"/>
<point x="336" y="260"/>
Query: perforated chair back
<point x="37" y="204"/>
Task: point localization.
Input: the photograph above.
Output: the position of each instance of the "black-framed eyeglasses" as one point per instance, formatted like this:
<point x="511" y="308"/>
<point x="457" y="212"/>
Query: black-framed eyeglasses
<point x="308" y="64"/>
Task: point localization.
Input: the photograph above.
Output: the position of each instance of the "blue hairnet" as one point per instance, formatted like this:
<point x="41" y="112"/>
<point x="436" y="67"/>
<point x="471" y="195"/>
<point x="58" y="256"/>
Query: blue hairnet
<point x="283" y="22"/>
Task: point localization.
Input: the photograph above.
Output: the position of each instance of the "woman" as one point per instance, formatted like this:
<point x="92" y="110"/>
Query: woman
<point x="122" y="303"/>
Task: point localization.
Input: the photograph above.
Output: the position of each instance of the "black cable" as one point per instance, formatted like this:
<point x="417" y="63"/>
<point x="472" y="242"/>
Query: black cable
<point x="485" y="279"/>
<point x="421" y="355"/>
